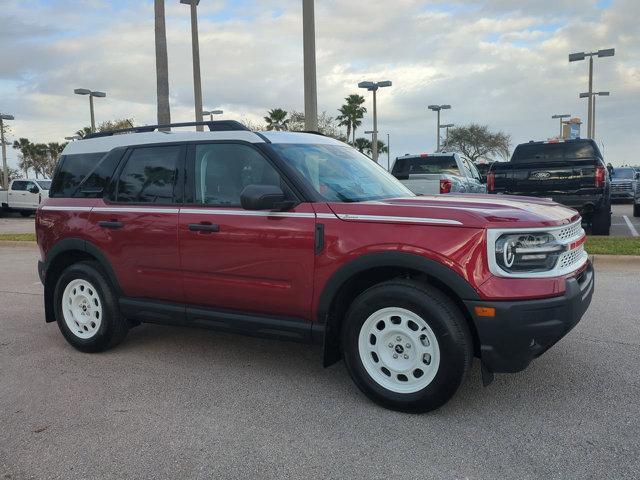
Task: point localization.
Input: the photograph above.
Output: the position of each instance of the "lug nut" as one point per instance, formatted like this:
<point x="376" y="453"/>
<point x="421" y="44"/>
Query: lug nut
<point x="395" y="355"/>
<point x="406" y="356"/>
<point x="398" y="339"/>
<point x="391" y="345"/>
<point x="408" y="345"/>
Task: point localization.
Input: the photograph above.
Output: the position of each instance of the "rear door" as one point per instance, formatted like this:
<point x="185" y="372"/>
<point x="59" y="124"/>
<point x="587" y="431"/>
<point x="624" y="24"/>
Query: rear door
<point x="238" y="260"/>
<point x="137" y="223"/>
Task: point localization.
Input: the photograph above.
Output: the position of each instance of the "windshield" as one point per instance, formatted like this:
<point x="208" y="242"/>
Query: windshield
<point x="623" y="173"/>
<point x="44" y="184"/>
<point x="340" y="173"/>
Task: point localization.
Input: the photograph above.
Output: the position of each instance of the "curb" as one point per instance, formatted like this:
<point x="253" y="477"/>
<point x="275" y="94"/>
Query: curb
<point x="17" y="243"/>
<point x="628" y="262"/>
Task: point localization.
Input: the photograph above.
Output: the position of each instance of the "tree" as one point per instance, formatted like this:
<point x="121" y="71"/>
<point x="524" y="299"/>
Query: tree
<point x="40" y="157"/>
<point x="477" y="142"/>
<point x="83" y="132"/>
<point x="14" y="174"/>
<point x="326" y="125"/>
<point x="162" y="69"/>
<point x="276" y="119"/>
<point x="351" y="114"/>
<point x="362" y="144"/>
<point x="382" y="148"/>
<point x="118" y="124"/>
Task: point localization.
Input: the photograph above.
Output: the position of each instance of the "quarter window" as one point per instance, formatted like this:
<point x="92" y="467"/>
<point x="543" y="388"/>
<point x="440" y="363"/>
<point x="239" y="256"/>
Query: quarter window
<point x="223" y="170"/>
<point x="149" y="175"/>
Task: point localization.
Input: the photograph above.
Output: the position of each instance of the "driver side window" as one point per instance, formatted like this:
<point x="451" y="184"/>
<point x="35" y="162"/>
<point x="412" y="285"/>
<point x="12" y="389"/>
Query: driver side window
<point x="223" y="170"/>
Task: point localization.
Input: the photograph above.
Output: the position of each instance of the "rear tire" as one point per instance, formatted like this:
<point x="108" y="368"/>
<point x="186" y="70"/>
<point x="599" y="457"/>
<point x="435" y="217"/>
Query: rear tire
<point x="601" y="221"/>
<point x="406" y="345"/>
<point x="26" y="214"/>
<point x="86" y="309"/>
<point x="636" y="210"/>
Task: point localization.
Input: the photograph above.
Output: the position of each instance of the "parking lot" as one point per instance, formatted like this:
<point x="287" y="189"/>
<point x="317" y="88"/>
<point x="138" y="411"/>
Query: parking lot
<point x="188" y="403"/>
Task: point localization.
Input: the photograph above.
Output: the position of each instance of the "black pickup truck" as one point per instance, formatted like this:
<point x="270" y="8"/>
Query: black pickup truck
<point x="571" y="172"/>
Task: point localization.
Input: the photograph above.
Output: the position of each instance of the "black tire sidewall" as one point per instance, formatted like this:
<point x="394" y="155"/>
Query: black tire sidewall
<point x="448" y="325"/>
<point x="110" y="314"/>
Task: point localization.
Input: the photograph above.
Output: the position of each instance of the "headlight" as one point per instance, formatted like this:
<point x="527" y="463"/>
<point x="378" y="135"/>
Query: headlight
<point x="527" y="252"/>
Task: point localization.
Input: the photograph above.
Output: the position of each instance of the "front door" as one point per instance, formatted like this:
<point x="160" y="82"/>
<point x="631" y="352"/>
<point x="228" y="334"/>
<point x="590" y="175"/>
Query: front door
<point x="137" y="226"/>
<point x="240" y="260"/>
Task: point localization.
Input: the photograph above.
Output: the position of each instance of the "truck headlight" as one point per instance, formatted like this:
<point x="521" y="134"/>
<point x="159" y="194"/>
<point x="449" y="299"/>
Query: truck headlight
<point x="527" y="252"/>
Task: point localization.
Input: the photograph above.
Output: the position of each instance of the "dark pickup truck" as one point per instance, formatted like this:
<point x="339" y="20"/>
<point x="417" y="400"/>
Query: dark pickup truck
<point x="571" y="172"/>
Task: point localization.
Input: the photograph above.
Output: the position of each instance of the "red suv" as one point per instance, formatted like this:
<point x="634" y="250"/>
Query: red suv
<point x="299" y="237"/>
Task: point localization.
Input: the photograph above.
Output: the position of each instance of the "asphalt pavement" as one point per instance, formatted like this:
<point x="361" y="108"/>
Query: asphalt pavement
<point x="187" y="403"/>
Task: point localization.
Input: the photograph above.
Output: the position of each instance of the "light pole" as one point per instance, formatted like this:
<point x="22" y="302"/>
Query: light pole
<point x="446" y="126"/>
<point x="561" y="116"/>
<point x="195" y="50"/>
<point x="86" y="91"/>
<point x="309" y="51"/>
<point x="162" y="68"/>
<point x="373" y="87"/>
<point x="437" y="108"/>
<point x="575" y="57"/>
<point x="211" y="113"/>
<point x="5" y="168"/>
<point x="388" y="152"/>
<point x="592" y="98"/>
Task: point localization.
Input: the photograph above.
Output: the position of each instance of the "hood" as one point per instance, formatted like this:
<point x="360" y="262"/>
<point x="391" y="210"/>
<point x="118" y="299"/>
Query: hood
<point x="463" y="210"/>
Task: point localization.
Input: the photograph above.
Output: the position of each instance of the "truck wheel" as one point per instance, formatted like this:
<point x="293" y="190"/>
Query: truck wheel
<point x="406" y="345"/>
<point x="601" y="221"/>
<point x="636" y="210"/>
<point x="26" y="214"/>
<point x="86" y="309"/>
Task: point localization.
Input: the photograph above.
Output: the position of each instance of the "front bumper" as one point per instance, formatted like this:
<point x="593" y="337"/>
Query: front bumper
<point x="523" y="330"/>
<point x="622" y="195"/>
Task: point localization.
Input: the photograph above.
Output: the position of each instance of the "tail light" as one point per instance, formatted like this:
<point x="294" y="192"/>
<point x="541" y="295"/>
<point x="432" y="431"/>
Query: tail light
<point x="445" y="185"/>
<point x="491" y="181"/>
<point x="600" y="176"/>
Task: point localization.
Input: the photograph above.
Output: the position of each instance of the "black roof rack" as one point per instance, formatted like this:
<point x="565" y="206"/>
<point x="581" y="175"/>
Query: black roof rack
<point x="214" y="126"/>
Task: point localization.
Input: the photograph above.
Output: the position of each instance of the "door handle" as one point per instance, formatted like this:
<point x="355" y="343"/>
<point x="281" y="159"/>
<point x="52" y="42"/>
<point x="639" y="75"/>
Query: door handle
<point x="204" y="227"/>
<point x="113" y="224"/>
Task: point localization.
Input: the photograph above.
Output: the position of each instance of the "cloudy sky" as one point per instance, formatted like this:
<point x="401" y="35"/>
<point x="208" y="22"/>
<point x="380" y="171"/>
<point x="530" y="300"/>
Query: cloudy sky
<point x="498" y="62"/>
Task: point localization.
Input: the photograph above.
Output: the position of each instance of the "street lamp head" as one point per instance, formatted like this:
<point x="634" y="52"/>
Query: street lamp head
<point x="217" y="112"/>
<point x="561" y="115"/>
<point x="369" y="132"/>
<point x="6" y="117"/>
<point x="435" y="108"/>
<point x="584" y="95"/>
<point x="447" y="125"/>
<point x="190" y="2"/>
<point x="385" y="83"/>
<point x="603" y="94"/>
<point x="98" y="94"/>
<point x="574" y="57"/>
<point x="82" y="91"/>
<point x="607" y="52"/>
<point x="445" y="107"/>
<point x="367" y="85"/>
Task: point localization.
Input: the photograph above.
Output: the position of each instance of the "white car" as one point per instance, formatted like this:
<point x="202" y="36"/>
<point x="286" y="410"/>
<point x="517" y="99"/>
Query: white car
<point x="24" y="196"/>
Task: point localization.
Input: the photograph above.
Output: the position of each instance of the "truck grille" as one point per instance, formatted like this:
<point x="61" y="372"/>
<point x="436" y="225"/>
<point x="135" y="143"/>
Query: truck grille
<point x="572" y="256"/>
<point x="621" y="187"/>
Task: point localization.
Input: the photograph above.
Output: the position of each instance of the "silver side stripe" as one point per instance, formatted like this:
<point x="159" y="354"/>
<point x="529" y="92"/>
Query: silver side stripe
<point x="326" y="215"/>
<point x="134" y="210"/>
<point x="245" y="213"/>
<point x="54" y="208"/>
<point x="384" y="218"/>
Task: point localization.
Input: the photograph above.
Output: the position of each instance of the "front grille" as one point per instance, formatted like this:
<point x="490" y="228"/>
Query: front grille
<point x="571" y="257"/>
<point x="570" y="231"/>
<point x="621" y="187"/>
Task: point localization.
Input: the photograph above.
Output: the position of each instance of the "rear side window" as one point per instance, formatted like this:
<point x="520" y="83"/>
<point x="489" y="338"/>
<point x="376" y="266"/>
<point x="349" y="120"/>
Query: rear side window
<point x="71" y="170"/>
<point x="426" y="165"/>
<point x="149" y="176"/>
<point x="553" y="152"/>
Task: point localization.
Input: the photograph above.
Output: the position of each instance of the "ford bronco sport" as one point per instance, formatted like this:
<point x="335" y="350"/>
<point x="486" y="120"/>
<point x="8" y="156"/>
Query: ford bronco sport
<point x="300" y="237"/>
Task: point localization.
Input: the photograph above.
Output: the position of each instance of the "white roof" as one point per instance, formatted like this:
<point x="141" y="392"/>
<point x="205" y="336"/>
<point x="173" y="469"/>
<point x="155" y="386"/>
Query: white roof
<point x="105" y="144"/>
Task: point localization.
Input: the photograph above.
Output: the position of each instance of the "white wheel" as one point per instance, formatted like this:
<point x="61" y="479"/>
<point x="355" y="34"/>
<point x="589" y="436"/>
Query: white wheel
<point x="81" y="308"/>
<point x="399" y="350"/>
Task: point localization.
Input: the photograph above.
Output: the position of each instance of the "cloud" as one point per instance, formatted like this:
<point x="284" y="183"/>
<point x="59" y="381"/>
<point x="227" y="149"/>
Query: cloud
<point x="497" y="62"/>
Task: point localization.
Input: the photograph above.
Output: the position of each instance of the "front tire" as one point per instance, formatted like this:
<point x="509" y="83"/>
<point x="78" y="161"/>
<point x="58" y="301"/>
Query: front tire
<point x="406" y="345"/>
<point x="26" y="214"/>
<point x="636" y="210"/>
<point x="86" y="309"/>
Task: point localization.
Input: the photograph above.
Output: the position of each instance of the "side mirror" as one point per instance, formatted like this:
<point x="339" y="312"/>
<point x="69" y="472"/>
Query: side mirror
<point x="264" y="197"/>
<point x="637" y="176"/>
<point x="34" y="189"/>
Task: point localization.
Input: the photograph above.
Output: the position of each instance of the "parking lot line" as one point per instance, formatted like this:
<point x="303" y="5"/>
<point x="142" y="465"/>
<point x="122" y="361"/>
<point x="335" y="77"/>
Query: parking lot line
<point x="633" y="230"/>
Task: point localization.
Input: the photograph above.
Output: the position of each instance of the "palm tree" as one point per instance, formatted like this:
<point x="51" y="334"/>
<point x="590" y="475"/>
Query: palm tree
<point x="362" y="144"/>
<point x="344" y="120"/>
<point x="351" y="114"/>
<point x="26" y="151"/>
<point x="162" y="71"/>
<point x="382" y="148"/>
<point x="83" y="132"/>
<point x="276" y="119"/>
